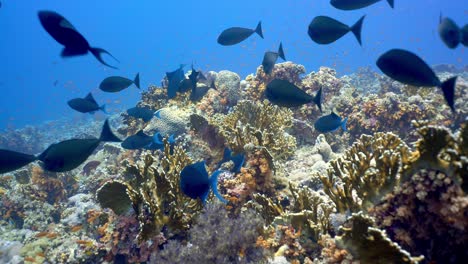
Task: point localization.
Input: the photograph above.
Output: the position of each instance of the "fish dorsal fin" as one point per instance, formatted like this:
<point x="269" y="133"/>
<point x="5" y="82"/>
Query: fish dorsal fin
<point x="90" y="98"/>
<point x="107" y="135"/>
<point x="141" y="133"/>
<point x="281" y="51"/>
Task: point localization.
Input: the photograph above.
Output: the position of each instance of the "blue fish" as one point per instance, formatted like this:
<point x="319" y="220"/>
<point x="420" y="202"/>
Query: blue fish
<point x="174" y="78"/>
<point x="144" y="113"/>
<point x="86" y="105"/>
<point x="330" y="123"/>
<point x="238" y="159"/>
<point x="270" y="57"/>
<point x="235" y="35"/>
<point x="157" y="142"/>
<point x="326" y="30"/>
<point x="195" y="183"/>
<point x="355" y="4"/>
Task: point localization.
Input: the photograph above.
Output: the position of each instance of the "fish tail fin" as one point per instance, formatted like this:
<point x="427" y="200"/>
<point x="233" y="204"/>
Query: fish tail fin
<point x="97" y="53"/>
<point x="448" y="88"/>
<point x="157" y="138"/>
<point x="258" y="29"/>
<point x="158" y="113"/>
<point x="281" y="51"/>
<point x="356" y="29"/>
<point x="214" y="185"/>
<point x="391" y="3"/>
<point x="343" y="124"/>
<point x="107" y="135"/>
<point x="103" y="109"/>
<point x="137" y="80"/>
<point x="318" y="99"/>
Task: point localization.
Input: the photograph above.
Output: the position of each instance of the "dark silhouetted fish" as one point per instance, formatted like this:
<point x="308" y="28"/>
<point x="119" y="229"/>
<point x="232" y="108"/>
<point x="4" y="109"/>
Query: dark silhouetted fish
<point x="464" y="38"/>
<point x="157" y="142"/>
<point x="69" y="154"/>
<point x="326" y="30"/>
<point x="12" y="160"/>
<point x="198" y="93"/>
<point x="355" y="4"/>
<point x="185" y="86"/>
<point x="195" y="183"/>
<point x="193" y="77"/>
<point x="284" y="93"/>
<point x="86" y="105"/>
<point x="115" y="84"/>
<point x="65" y="33"/>
<point x="137" y="141"/>
<point x="270" y="57"/>
<point x="234" y="35"/>
<point x="449" y="32"/>
<point x="174" y="78"/>
<point x="408" y="68"/>
<point x="144" y="113"/>
<point x="330" y="123"/>
<point x="238" y="160"/>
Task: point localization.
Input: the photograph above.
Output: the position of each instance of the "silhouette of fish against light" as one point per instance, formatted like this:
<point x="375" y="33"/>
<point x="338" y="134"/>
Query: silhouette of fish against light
<point x="355" y="4"/>
<point x="330" y="123"/>
<point x="270" y="57"/>
<point x="195" y="183"/>
<point x="12" y="160"/>
<point x="144" y="113"/>
<point x="115" y="84"/>
<point x="86" y="105"/>
<point x="69" y="154"/>
<point x="326" y="30"/>
<point x="174" y="78"/>
<point x="235" y="35"/>
<point x="450" y="33"/>
<point x="198" y="93"/>
<point x="408" y="68"/>
<point x="66" y="34"/>
<point x="284" y="93"/>
<point x="137" y="141"/>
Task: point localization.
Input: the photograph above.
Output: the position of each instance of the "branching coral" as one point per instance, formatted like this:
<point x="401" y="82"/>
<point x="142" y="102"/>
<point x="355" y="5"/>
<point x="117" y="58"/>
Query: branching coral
<point x="260" y="124"/>
<point x="367" y="171"/>
<point x="370" y="244"/>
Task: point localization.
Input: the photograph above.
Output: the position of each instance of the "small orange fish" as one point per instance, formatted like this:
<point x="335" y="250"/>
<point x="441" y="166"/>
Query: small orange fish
<point x="76" y="228"/>
<point x="42" y="234"/>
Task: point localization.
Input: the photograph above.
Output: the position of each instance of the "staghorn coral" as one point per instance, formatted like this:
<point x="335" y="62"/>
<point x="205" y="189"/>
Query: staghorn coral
<point x="365" y="172"/>
<point x="217" y="238"/>
<point x="259" y="124"/>
<point x="360" y="235"/>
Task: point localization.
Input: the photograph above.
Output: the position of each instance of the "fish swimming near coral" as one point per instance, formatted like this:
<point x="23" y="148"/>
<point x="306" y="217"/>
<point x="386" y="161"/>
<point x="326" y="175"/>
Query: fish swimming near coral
<point x="115" y="84"/>
<point x="137" y="141"/>
<point x="195" y="183"/>
<point x="193" y="77"/>
<point x="237" y="160"/>
<point x="66" y="34"/>
<point x="235" y="35"/>
<point x="450" y="33"/>
<point x="69" y="154"/>
<point x="157" y="142"/>
<point x="356" y="4"/>
<point x="144" y="113"/>
<point x="284" y="93"/>
<point x="174" y="78"/>
<point x="326" y="30"/>
<point x="86" y="105"/>
<point x="406" y="67"/>
<point x="330" y="123"/>
<point x="12" y="160"/>
<point x="198" y="93"/>
<point x="270" y="57"/>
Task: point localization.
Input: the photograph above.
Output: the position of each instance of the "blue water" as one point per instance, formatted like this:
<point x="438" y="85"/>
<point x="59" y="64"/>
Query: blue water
<point x="152" y="37"/>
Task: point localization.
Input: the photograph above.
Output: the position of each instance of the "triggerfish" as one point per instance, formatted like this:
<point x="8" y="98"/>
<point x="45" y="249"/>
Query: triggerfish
<point x="450" y="33"/>
<point x="66" y="34"/>
<point x="330" y="123"/>
<point x="144" y="113"/>
<point x="284" y="93"/>
<point x="237" y="160"/>
<point x="408" y="68"/>
<point x="195" y="183"/>
<point x="174" y="78"/>
<point x="235" y="35"/>
<point x="71" y="153"/>
<point x="12" y="160"/>
<point x="86" y="105"/>
<point x="355" y="4"/>
<point x="115" y="84"/>
<point x="326" y="30"/>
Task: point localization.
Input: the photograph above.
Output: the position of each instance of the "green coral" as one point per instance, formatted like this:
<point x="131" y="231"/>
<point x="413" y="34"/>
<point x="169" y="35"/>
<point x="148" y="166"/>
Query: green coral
<point x="367" y="171"/>
<point x="370" y="244"/>
<point x="259" y="124"/>
<point x="155" y="194"/>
